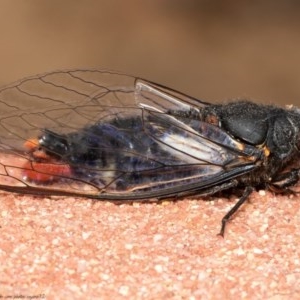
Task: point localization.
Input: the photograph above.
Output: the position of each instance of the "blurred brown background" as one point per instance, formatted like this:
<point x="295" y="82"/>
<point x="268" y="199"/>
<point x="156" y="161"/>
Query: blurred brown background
<point x="212" y="50"/>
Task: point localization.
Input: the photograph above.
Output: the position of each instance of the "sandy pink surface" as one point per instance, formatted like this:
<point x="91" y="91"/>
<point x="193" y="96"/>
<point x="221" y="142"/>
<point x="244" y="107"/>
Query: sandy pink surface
<point x="71" y="248"/>
<point x="74" y="248"/>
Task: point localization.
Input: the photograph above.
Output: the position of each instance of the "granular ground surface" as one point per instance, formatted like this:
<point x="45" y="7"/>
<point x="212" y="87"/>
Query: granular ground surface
<point x="75" y="248"/>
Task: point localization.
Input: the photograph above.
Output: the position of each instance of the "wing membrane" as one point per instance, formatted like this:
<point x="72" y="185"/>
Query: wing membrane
<point x="123" y="140"/>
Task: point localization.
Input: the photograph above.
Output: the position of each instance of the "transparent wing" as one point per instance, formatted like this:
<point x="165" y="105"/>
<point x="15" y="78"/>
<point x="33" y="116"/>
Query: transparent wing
<point x="120" y="138"/>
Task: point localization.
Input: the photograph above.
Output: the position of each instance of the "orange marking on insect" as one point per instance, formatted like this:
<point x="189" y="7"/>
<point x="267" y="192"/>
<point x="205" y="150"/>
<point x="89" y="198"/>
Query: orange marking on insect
<point x="33" y="147"/>
<point x="267" y="151"/>
<point x="240" y="146"/>
<point x="31" y="144"/>
<point x="45" y="169"/>
<point x="212" y="119"/>
<point x="45" y="172"/>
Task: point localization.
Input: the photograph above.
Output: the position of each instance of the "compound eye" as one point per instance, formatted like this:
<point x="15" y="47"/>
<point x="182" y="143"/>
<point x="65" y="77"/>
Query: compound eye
<point x="284" y="137"/>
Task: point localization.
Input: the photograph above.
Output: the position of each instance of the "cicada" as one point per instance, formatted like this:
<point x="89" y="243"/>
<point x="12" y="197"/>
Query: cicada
<point x="111" y="136"/>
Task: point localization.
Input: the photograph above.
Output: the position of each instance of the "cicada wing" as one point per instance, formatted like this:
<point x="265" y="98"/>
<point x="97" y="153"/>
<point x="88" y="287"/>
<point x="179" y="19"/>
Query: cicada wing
<point x="65" y="101"/>
<point x="158" y="155"/>
<point x="161" y="154"/>
<point x="188" y="160"/>
<point x="149" y="94"/>
<point x="62" y="101"/>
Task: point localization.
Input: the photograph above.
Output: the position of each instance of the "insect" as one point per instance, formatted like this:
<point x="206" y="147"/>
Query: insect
<point x="111" y="136"/>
